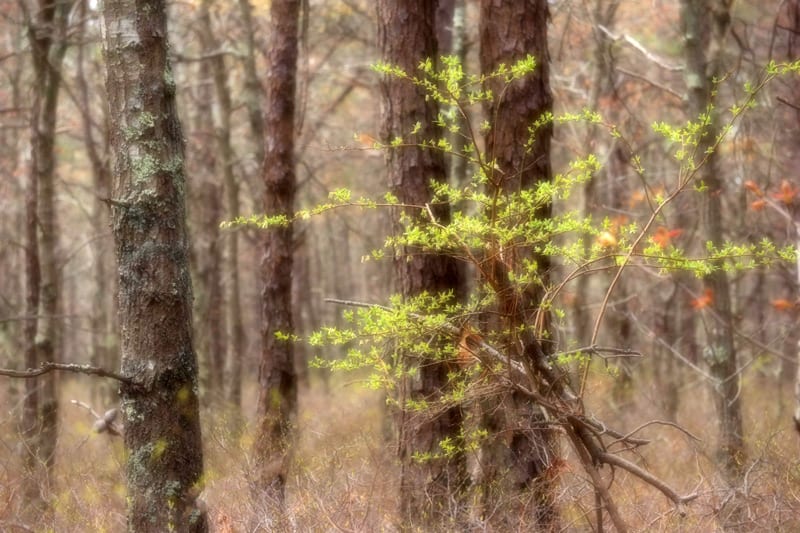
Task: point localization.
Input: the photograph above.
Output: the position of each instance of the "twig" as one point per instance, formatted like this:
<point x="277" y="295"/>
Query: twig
<point x="625" y="437"/>
<point x="46" y="368"/>
<point x="640" y="47"/>
<point x="496" y="355"/>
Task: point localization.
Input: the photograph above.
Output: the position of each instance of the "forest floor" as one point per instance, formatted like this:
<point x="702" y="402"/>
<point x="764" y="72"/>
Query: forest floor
<point x="344" y="468"/>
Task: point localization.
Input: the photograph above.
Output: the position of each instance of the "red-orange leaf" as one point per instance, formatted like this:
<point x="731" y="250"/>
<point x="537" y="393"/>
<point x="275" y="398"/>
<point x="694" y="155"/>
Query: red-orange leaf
<point x="782" y="304"/>
<point x="703" y="301"/>
<point x="787" y="193"/>
<point x="663" y="236"/>
<point x="753" y="187"/>
<point x="758" y="205"/>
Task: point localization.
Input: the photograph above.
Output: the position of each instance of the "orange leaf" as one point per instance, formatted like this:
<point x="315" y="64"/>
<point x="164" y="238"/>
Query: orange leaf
<point x="366" y="140"/>
<point x="636" y="198"/>
<point x="782" y="304"/>
<point x="787" y="193"/>
<point x="664" y="236"/>
<point x="606" y="240"/>
<point x="467" y="347"/>
<point x="753" y="187"/>
<point x="758" y="205"/>
<point x="703" y="301"/>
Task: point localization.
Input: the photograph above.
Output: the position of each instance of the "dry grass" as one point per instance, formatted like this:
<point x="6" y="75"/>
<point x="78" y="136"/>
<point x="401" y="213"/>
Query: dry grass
<point x="344" y="474"/>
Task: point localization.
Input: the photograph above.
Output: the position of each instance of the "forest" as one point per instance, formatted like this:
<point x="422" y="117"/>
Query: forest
<point x="399" y="265"/>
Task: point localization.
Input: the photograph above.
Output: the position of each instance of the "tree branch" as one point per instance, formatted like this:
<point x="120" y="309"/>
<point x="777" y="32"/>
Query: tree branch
<point x="46" y="368"/>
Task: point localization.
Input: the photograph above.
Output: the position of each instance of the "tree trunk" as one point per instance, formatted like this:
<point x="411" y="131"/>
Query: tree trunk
<point x="102" y="352"/>
<point x="223" y="165"/>
<point x="160" y="413"/>
<point x="705" y="26"/>
<point x="431" y="491"/>
<point x="252" y="94"/>
<point x="47" y="35"/>
<point x="277" y="399"/>
<point x="514" y="485"/>
<point x="792" y="150"/>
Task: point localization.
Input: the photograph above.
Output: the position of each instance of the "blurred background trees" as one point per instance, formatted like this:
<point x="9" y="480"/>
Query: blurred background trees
<point x="634" y="63"/>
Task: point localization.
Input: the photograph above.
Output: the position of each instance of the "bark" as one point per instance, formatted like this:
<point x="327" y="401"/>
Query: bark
<point x="277" y="399"/>
<point x="47" y="36"/>
<point x="601" y="86"/>
<point x="705" y="26"/>
<point x="207" y="195"/>
<point x="211" y="338"/>
<point x="223" y="165"/>
<point x="252" y="95"/>
<point x="515" y="487"/>
<point x="160" y="411"/>
<point x="103" y="349"/>
<point x="430" y="491"/>
<point x="791" y="144"/>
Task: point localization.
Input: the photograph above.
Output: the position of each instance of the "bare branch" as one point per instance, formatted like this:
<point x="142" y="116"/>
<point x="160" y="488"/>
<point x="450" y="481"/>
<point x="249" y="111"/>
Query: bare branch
<point x="46" y="368"/>
<point x="647" y="477"/>
<point x="640" y="47"/>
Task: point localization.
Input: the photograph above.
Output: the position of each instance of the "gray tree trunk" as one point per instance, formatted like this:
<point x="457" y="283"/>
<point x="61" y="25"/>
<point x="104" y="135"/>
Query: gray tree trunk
<point x="161" y="413"/>
<point x="705" y="27"/>
<point x="47" y="23"/>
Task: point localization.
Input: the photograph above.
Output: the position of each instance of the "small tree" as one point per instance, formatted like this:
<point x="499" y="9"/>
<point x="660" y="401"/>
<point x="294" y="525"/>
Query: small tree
<point x="486" y="230"/>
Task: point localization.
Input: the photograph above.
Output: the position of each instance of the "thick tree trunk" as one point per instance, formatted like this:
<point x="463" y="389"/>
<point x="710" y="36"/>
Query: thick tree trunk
<point x="705" y="26"/>
<point x="277" y="398"/>
<point x="431" y="491"/>
<point x="514" y="485"/>
<point x="160" y="413"/>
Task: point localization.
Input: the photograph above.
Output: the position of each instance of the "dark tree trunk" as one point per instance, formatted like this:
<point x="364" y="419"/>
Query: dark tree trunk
<point x="160" y="414"/>
<point x="277" y="399"/>
<point x="514" y="484"/>
<point x="705" y="27"/>
<point x="430" y="491"/>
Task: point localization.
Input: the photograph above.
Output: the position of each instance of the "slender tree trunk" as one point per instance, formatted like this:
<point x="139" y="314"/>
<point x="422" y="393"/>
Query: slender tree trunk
<point x="223" y="163"/>
<point x="160" y="412"/>
<point x="252" y="95"/>
<point x="47" y="35"/>
<point x="431" y="491"/>
<point x="514" y="484"/>
<point x="277" y="399"/>
<point x="102" y="344"/>
<point x="792" y="149"/>
<point x="603" y="13"/>
<point x="705" y="26"/>
<point x="205" y="199"/>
